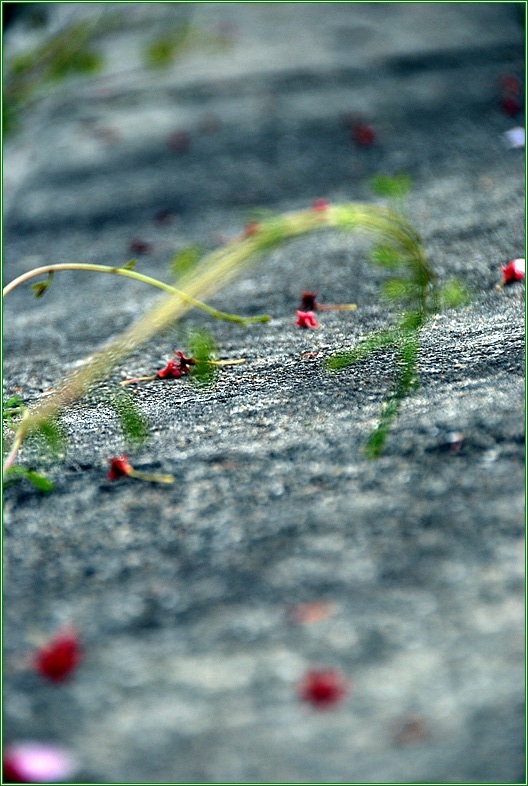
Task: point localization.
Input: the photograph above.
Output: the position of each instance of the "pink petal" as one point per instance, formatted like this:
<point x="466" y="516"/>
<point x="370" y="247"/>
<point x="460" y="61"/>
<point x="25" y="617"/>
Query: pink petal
<point x="37" y="762"/>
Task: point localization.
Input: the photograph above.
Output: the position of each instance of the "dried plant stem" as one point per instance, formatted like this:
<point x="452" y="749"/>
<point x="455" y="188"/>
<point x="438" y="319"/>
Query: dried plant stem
<point x="13" y="453"/>
<point x="149" y="477"/>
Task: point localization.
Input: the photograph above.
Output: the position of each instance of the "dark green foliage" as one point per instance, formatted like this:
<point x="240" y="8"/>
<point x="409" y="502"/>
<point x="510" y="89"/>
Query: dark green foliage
<point x="163" y="50"/>
<point x="10" y="115"/>
<point x="451" y="295"/>
<point x="41" y="482"/>
<point x="52" y="434"/>
<point x="202" y="347"/>
<point x="72" y="55"/>
<point x="12" y="407"/>
<point x="391" y="186"/>
<point x="414" y="291"/>
<point x="385" y="256"/>
<point x="184" y="261"/>
<point x="68" y="52"/>
<point x="371" y="343"/>
<point x="132" y="423"/>
<point x="405" y="381"/>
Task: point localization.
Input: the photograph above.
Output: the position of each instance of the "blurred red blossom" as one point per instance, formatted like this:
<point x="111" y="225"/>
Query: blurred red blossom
<point x="363" y="135"/>
<point x="59" y="657"/>
<point x="37" y="762"/>
<point x="306" y="319"/>
<point x="119" y="467"/>
<point x="513" y="271"/>
<point x="323" y="688"/>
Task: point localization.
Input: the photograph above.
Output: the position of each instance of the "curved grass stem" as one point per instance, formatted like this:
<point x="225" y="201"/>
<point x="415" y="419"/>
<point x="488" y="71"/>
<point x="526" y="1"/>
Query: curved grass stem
<point x="122" y="271"/>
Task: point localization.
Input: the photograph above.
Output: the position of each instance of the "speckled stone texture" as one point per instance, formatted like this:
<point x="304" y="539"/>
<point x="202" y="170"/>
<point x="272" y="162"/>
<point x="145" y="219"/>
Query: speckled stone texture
<point x="185" y="596"/>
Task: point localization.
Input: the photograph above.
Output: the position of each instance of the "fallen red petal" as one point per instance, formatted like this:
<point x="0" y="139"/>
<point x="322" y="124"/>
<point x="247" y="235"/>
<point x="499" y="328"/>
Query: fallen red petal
<point x="323" y="688"/>
<point x="363" y="135"/>
<point x="313" y="611"/>
<point x="510" y="105"/>
<point x="57" y="659"/>
<point x="138" y="246"/>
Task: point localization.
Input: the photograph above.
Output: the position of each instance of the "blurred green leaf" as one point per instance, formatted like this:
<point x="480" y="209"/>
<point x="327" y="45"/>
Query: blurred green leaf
<point x="53" y="435"/>
<point x="12" y="407"/>
<point x="184" y="261"/>
<point x="371" y="343"/>
<point x="391" y="186"/>
<point x="452" y="294"/>
<point x="163" y="50"/>
<point x="385" y="256"/>
<point x="69" y="53"/>
<point x="133" y="424"/>
<point x="202" y="347"/>
<point x="397" y="288"/>
<point x="41" y="482"/>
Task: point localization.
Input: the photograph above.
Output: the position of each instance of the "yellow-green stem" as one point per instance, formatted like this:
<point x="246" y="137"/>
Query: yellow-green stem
<point x="122" y="271"/>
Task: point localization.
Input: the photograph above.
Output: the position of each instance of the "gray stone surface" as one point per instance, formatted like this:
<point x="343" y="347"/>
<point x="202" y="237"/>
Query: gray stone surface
<point x="182" y="594"/>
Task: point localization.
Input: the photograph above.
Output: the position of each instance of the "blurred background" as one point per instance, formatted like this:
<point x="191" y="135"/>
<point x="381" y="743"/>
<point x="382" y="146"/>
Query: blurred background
<point x="137" y="129"/>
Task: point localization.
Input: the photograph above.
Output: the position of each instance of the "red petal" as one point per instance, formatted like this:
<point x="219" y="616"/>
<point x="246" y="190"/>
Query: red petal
<point x="59" y="658"/>
<point x="323" y="688"/>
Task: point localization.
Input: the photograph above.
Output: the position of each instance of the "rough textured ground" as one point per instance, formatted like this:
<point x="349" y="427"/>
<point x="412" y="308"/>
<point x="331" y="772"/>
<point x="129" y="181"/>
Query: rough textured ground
<point x="183" y="595"/>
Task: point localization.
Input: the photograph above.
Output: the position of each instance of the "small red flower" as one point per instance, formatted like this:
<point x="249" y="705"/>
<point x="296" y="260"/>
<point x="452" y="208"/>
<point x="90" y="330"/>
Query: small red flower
<point x="510" y="105"/>
<point x="513" y="271"/>
<point x="176" y="368"/>
<point x="139" y="246"/>
<point x="323" y="688"/>
<point x="320" y="205"/>
<point x="57" y="659"/>
<point x="119" y="468"/>
<point x="171" y="371"/>
<point x="306" y="319"/>
<point x="363" y="135"/>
